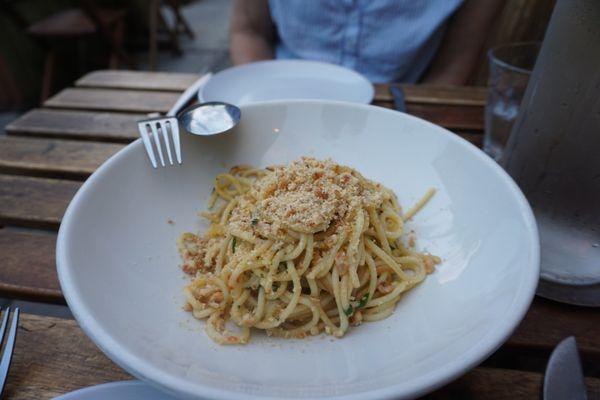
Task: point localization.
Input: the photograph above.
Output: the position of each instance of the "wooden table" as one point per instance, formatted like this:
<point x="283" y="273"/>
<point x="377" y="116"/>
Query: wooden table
<point x="49" y="151"/>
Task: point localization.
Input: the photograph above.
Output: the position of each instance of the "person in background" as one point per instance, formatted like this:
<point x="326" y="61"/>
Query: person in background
<point x="431" y="41"/>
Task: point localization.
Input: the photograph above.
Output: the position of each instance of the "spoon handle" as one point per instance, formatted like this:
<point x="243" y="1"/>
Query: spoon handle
<point x="188" y="94"/>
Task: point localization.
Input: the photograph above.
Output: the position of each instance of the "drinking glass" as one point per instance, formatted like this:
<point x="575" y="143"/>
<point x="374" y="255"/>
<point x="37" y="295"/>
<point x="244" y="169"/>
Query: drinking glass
<point x="510" y="69"/>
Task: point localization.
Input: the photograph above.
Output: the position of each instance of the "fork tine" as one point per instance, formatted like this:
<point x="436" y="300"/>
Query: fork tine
<point x="175" y="136"/>
<point x="10" y="345"/>
<point x="163" y="128"/>
<point x="143" y="128"/>
<point x="157" y="142"/>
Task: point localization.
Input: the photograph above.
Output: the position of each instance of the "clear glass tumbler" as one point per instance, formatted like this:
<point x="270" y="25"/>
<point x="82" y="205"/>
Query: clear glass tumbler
<point x="510" y="69"/>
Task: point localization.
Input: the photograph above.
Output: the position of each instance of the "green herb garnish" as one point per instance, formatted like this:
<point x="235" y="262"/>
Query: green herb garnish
<point x="360" y="304"/>
<point x="233" y="243"/>
<point x="349" y="311"/>
<point x="363" y="301"/>
<point x="254" y="221"/>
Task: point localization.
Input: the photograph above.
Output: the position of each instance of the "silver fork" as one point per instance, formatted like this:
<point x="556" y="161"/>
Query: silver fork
<point x="10" y="344"/>
<point x="168" y="128"/>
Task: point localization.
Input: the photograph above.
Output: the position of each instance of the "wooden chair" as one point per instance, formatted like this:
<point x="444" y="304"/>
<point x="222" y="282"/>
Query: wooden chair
<point x="74" y="24"/>
<point x="181" y="24"/>
<point x="11" y="96"/>
<point x="158" y="23"/>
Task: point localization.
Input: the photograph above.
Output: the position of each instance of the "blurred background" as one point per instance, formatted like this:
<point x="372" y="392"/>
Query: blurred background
<point x="47" y="44"/>
<point x="79" y="36"/>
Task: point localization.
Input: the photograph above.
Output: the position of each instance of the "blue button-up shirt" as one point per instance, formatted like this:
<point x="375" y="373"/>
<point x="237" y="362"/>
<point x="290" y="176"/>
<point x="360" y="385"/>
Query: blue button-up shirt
<point x="386" y="40"/>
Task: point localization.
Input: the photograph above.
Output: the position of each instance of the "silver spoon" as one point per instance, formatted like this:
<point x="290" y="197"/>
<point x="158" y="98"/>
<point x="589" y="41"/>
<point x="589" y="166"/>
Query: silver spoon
<point x="210" y="118"/>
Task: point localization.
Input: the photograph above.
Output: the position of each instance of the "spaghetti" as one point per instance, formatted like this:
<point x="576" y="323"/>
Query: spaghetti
<point x="298" y="250"/>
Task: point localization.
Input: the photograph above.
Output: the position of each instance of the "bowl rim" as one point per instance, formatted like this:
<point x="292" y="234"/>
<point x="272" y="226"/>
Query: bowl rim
<point x="103" y="388"/>
<point x="335" y="68"/>
<point x="426" y="383"/>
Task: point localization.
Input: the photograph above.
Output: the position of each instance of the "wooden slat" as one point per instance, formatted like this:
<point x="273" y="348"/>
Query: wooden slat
<point x="453" y="116"/>
<point x="101" y="126"/>
<point x="435" y="94"/>
<point x="135" y="101"/>
<point x="28" y="269"/>
<point x="53" y="356"/>
<point x="34" y="202"/>
<point x="114" y="79"/>
<point x="119" y="127"/>
<point x="548" y="322"/>
<point x="162" y="81"/>
<point x="156" y="101"/>
<point x="81" y="125"/>
<point x="449" y="116"/>
<point x="55" y="158"/>
<point x="493" y="383"/>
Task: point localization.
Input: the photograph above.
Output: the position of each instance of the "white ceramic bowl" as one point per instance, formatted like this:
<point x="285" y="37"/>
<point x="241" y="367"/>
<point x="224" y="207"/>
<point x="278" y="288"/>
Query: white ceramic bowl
<point x="118" y="264"/>
<point x="287" y="79"/>
<point x="123" y="390"/>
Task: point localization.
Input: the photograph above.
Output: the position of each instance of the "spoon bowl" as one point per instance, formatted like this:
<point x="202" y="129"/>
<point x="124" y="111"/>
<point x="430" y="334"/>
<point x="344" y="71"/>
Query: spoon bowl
<point x="210" y="118"/>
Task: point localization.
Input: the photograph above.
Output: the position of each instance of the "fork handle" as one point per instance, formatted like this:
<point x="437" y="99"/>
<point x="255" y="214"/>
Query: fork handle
<point x="188" y="94"/>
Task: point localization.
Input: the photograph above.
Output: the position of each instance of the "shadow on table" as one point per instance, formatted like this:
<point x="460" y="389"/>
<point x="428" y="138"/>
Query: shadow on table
<point x="50" y="310"/>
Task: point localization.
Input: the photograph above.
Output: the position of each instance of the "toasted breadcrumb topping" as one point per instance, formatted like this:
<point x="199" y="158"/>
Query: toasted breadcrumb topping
<point x="306" y="196"/>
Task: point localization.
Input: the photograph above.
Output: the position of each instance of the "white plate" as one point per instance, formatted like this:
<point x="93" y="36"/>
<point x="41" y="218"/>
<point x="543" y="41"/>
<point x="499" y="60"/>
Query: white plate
<point x="287" y="79"/>
<point x="124" y="390"/>
<point x="118" y="264"/>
